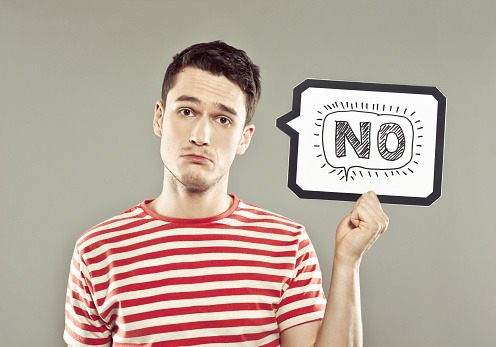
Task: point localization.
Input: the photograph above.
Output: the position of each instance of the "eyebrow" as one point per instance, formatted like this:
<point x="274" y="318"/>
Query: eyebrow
<point x="198" y="102"/>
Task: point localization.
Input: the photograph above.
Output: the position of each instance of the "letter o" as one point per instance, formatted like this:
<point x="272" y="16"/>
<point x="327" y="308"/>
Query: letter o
<point x="385" y="130"/>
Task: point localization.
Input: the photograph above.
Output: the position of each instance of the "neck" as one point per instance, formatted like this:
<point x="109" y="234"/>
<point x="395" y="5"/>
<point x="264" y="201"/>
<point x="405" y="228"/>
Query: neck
<point x="176" y="201"/>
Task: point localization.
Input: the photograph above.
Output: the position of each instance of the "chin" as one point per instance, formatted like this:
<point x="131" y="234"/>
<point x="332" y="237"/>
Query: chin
<point x="195" y="184"/>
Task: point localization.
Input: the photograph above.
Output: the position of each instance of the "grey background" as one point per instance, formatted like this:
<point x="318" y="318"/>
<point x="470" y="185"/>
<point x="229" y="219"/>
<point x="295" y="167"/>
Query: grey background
<point x="79" y="80"/>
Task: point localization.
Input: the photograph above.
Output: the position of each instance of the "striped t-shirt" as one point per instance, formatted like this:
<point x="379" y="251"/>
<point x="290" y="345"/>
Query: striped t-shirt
<point x="239" y="278"/>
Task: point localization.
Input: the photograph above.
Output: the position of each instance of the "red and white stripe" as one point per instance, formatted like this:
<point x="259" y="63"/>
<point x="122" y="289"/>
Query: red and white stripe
<point x="242" y="277"/>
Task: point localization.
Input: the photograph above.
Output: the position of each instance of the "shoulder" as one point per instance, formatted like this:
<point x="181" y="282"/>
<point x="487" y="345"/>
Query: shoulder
<point x="252" y="214"/>
<point x="112" y="228"/>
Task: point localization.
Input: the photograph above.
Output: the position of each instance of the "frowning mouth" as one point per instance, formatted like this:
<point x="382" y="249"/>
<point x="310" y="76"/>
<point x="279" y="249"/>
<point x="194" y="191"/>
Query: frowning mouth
<point x="197" y="159"/>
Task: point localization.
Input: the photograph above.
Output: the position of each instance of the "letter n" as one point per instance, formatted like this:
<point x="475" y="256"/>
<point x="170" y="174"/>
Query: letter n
<point x="361" y="147"/>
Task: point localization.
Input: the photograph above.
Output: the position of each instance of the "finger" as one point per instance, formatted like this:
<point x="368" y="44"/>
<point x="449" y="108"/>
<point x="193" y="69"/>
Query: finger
<point x="345" y="222"/>
<point x="371" y="201"/>
<point x="368" y="211"/>
<point x="379" y="212"/>
<point x="366" y="202"/>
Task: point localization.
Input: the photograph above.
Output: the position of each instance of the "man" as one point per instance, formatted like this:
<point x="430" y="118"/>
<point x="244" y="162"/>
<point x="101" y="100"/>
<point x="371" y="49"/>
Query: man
<point x="197" y="266"/>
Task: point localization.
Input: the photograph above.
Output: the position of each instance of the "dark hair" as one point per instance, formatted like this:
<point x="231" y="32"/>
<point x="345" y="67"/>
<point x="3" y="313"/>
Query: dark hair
<point x="219" y="59"/>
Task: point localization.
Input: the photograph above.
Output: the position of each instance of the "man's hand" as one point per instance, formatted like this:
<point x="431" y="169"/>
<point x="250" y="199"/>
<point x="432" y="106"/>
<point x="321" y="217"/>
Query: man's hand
<point x="342" y="324"/>
<point x="358" y="231"/>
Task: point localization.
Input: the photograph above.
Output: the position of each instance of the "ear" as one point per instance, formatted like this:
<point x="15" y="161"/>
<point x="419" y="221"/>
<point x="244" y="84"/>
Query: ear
<point x="158" y="118"/>
<point x="245" y="139"/>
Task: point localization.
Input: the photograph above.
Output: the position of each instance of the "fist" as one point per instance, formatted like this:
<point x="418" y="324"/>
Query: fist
<point x="358" y="231"/>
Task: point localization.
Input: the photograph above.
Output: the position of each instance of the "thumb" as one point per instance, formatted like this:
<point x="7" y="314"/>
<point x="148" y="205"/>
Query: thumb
<point x="346" y="223"/>
<point x="355" y="220"/>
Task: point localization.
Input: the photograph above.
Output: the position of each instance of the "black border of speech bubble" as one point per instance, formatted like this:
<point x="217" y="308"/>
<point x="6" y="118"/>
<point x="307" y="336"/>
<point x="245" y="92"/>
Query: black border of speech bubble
<point x="282" y="121"/>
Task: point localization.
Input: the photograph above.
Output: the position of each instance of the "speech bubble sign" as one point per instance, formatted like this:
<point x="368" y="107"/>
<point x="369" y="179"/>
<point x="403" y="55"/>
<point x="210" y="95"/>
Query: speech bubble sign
<point x="350" y="137"/>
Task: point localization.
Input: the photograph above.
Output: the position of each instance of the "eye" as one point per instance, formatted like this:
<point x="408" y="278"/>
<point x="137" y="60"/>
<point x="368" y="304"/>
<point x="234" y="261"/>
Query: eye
<point x="224" y="120"/>
<point x="185" y="112"/>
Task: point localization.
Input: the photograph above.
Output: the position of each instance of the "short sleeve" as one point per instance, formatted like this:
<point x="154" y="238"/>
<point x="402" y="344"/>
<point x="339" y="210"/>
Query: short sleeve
<point x="83" y="325"/>
<point x="303" y="301"/>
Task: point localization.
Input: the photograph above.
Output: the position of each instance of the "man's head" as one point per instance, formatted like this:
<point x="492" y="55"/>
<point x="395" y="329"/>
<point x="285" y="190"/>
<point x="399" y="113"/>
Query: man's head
<point x="219" y="59"/>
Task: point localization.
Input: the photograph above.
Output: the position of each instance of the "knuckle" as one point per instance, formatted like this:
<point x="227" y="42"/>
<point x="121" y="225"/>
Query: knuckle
<point x="375" y="224"/>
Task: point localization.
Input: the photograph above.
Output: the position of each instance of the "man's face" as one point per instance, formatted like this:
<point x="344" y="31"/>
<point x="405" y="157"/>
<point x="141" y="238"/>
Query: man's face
<point x="202" y="129"/>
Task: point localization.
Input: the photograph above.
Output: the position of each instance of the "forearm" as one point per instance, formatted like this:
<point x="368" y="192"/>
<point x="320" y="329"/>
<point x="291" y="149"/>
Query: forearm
<point x="342" y="323"/>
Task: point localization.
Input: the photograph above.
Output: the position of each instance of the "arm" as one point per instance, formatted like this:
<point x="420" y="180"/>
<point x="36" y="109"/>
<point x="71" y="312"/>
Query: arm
<point x="342" y="323"/>
<point x="83" y="325"/>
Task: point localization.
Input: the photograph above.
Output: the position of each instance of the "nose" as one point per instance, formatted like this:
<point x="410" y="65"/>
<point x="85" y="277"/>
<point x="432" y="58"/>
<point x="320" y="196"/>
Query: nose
<point x="200" y="134"/>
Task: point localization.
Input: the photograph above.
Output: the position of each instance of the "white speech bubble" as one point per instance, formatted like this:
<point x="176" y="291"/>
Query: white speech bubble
<point x="350" y="137"/>
<point x="366" y="140"/>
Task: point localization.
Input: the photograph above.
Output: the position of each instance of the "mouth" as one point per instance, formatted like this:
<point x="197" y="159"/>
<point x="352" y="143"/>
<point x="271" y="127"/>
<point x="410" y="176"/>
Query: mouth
<point x="197" y="158"/>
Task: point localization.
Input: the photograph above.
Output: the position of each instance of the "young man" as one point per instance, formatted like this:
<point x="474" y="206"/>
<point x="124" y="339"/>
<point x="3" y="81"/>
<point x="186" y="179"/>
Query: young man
<point x="197" y="266"/>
